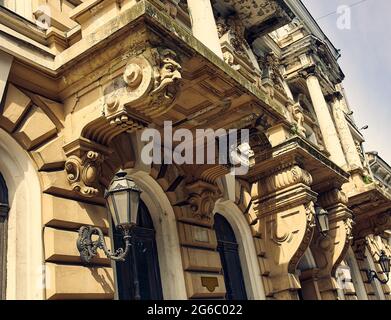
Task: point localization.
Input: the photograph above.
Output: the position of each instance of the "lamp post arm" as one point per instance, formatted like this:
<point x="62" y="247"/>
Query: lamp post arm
<point x="88" y="248"/>
<point x="373" y="275"/>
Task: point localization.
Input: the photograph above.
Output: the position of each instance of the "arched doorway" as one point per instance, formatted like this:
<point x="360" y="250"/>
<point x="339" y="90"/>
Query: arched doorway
<point x="4" y="208"/>
<point x="145" y="273"/>
<point x="229" y="255"/>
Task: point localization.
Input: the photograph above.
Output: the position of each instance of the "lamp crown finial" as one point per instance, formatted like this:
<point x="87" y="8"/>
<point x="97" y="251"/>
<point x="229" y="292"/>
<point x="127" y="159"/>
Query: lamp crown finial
<point x="121" y="174"/>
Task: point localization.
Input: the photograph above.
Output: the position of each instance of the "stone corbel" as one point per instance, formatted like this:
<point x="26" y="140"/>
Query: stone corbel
<point x="286" y="215"/>
<point x="202" y="197"/>
<point x="83" y="166"/>
<point x="375" y="224"/>
<point x="147" y="88"/>
<point x="330" y="250"/>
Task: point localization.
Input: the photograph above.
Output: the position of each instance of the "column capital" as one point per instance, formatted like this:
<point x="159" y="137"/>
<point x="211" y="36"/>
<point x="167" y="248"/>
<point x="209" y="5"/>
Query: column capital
<point x="333" y="97"/>
<point x="309" y="71"/>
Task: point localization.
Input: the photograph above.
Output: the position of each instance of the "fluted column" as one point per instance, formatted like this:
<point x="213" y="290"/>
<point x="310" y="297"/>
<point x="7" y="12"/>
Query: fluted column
<point x="327" y="127"/>
<point x="345" y="135"/>
<point x="204" y="24"/>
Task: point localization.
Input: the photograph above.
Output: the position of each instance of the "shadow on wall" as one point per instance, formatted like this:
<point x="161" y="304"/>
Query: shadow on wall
<point x="106" y="281"/>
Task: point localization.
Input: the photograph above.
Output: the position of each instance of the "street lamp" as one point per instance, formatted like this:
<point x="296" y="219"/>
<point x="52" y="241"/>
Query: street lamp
<point x="122" y="198"/>
<point x="384" y="262"/>
<point x="322" y="219"/>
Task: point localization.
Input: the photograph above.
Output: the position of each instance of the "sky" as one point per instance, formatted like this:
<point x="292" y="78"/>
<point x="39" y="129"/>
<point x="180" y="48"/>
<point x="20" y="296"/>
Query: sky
<point x="366" y="62"/>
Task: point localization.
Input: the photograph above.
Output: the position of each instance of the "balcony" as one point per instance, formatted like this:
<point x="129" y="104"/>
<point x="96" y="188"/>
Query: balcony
<point x="258" y="16"/>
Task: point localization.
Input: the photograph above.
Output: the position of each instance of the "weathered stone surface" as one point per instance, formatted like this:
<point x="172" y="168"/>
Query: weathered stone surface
<point x="77" y="282"/>
<point x="15" y="107"/>
<point x="60" y="247"/>
<point x="70" y="214"/>
<point x="51" y="155"/>
<point x="35" y="129"/>
<point x="201" y="260"/>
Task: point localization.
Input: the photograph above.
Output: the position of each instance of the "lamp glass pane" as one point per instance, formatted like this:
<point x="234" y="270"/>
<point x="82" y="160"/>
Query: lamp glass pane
<point x="121" y="202"/>
<point x="323" y="221"/>
<point x="134" y="202"/>
<point x="113" y="213"/>
<point x="326" y="222"/>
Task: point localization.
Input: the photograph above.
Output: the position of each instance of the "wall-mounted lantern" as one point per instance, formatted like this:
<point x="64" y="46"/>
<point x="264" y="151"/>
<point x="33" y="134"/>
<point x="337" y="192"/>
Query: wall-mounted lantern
<point x="384" y="262"/>
<point x="322" y="220"/>
<point x="122" y="198"/>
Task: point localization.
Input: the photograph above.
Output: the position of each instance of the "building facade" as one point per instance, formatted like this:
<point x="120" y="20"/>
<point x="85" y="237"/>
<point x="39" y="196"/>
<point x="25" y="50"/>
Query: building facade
<point x="80" y="83"/>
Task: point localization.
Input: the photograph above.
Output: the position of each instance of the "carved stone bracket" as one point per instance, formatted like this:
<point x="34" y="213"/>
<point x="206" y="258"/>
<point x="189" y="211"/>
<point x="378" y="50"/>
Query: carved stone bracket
<point x="83" y="166"/>
<point x="375" y="224"/>
<point x="286" y="215"/>
<point x="202" y="198"/>
<point x="330" y="250"/>
<point x="148" y="87"/>
<point x="284" y="178"/>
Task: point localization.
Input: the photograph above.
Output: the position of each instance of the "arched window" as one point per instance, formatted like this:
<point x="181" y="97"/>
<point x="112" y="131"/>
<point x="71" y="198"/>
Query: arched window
<point x="229" y="254"/>
<point x="141" y="268"/>
<point x="4" y="208"/>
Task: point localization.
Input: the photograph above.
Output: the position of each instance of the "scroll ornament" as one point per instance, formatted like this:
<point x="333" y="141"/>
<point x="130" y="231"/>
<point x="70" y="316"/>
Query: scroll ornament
<point x="149" y="86"/>
<point x="83" y="173"/>
<point x="202" y="198"/>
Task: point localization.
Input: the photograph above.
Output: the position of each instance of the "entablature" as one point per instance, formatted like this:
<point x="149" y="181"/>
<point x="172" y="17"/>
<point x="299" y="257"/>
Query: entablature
<point x="326" y="175"/>
<point x="381" y="171"/>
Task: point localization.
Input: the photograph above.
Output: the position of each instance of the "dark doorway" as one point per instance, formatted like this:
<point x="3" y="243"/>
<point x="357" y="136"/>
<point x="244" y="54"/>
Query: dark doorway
<point x="146" y="260"/>
<point x="4" y="208"/>
<point x="229" y="254"/>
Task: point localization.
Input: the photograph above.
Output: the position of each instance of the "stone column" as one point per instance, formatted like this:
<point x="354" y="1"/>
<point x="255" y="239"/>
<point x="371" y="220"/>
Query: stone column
<point x="330" y="250"/>
<point x="284" y="206"/>
<point x="327" y="127"/>
<point x="345" y="135"/>
<point x="204" y="24"/>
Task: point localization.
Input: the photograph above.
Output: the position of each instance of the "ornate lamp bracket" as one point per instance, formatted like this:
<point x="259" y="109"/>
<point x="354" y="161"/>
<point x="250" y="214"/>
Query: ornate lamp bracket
<point x="88" y="247"/>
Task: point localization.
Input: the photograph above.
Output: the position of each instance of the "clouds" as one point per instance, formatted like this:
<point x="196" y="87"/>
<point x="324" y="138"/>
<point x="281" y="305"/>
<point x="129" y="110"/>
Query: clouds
<point x="366" y="61"/>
